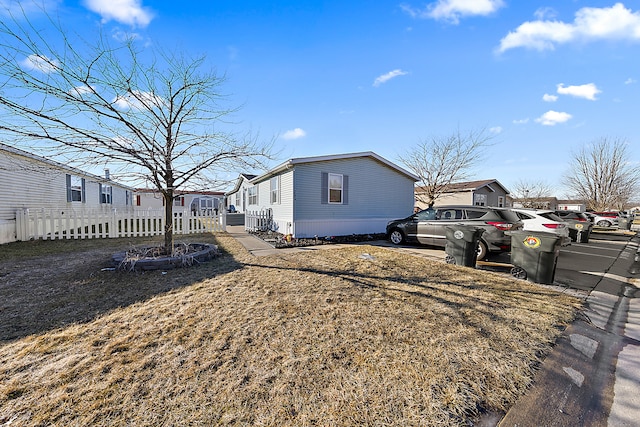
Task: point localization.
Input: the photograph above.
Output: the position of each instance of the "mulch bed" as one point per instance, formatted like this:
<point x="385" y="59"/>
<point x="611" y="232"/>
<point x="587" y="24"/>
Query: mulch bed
<point x="279" y="240"/>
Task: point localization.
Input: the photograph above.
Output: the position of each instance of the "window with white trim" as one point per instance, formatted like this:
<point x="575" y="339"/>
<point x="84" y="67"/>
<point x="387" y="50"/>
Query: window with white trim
<point x="335" y="188"/>
<point x="480" y="199"/>
<point x="252" y="194"/>
<point x="274" y="184"/>
<point x="178" y="201"/>
<point x="75" y="189"/>
<point x="106" y="194"/>
<point x="501" y="201"/>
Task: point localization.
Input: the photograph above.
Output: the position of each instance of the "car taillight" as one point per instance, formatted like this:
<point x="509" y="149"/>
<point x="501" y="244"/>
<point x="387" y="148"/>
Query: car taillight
<point x="503" y="226"/>
<point x="582" y="219"/>
<point x="554" y="225"/>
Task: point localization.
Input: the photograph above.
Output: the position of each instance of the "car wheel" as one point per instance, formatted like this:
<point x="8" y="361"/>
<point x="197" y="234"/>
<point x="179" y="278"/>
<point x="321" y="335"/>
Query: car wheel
<point x="604" y="223"/>
<point x="396" y="237"/>
<point x="482" y="251"/>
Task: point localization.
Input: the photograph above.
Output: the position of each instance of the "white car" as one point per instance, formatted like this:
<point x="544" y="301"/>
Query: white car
<point x="545" y="221"/>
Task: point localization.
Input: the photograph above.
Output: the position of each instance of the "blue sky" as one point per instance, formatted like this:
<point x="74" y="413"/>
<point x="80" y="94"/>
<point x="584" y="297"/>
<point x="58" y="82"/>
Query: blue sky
<point x="327" y="77"/>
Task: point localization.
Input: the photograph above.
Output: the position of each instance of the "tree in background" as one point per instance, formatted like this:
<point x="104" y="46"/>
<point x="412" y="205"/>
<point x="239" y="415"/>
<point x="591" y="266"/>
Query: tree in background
<point x="151" y="116"/>
<point x="602" y="174"/>
<point x="442" y="161"/>
<point x="531" y="193"/>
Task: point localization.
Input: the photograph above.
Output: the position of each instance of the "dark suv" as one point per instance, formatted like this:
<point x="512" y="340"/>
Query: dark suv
<point x="580" y="226"/>
<point x="427" y="227"/>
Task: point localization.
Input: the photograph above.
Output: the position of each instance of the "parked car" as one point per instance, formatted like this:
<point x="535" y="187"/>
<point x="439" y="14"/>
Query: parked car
<point x="579" y="224"/>
<point x="605" y="219"/>
<point x="427" y="227"/>
<point x="545" y="221"/>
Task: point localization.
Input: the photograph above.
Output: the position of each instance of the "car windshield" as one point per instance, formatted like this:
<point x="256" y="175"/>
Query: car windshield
<point x="425" y="215"/>
<point x="551" y="216"/>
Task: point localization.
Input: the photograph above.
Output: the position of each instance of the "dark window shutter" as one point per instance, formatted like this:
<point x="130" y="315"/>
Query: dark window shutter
<point x="69" y="196"/>
<point x="100" y="198"/>
<point x="84" y="196"/>
<point x="345" y="189"/>
<point x="324" y="189"/>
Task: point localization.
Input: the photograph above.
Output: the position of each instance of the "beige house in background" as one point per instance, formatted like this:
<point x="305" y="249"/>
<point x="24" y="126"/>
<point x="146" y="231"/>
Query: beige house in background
<point x="488" y="192"/>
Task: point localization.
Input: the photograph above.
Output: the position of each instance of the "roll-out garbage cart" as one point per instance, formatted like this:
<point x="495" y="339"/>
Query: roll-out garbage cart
<point x="580" y="233"/>
<point x="534" y="255"/>
<point x="462" y="244"/>
<point x="624" y="223"/>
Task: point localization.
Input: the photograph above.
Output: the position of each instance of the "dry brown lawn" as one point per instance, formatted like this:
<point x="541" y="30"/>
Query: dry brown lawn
<point x="349" y="336"/>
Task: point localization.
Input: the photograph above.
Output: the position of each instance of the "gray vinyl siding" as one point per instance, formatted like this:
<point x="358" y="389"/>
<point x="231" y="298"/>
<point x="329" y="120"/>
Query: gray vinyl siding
<point x="374" y="191"/>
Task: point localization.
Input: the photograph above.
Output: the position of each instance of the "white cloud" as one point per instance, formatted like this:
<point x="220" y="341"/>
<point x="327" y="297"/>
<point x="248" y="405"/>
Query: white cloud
<point x="78" y="91"/>
<point x="591" y="23"/>
<point x="138" y="100"/>
<point x="41" y="63"/>
<point x="552" y="118"/>
<point x="521" y="121"/>
<point x="496" y="130"/>
<point x="130" y="12"/>
<point x="630" y="81"/>
<point x="453" y="10"/>
<point x="386" y="77"/>
<point x="588" y="91"/>
<point x="294" y="134"/>
<point x="549" y="98"/>
<point x="545" y="13"/>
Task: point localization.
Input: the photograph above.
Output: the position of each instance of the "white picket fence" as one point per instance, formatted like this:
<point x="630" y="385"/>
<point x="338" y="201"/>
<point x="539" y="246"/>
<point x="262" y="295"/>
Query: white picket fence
<point x="258" y="220"/>
<point x="51" y="224"/>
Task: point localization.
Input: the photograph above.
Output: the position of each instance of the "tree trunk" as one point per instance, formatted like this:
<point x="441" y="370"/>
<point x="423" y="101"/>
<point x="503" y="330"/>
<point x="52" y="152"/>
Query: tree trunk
<point x="168" y="222"/>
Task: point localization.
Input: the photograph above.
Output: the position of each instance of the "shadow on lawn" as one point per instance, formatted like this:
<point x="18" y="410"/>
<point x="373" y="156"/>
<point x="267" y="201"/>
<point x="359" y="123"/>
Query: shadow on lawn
<point x="52" y="284"/>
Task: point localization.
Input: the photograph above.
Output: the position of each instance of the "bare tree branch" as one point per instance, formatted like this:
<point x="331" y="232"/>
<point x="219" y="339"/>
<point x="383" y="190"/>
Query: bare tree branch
<point x="442" y="161"/>
<point x="602" y="174"/>
<point x="531" y="193"/>
<point x="152" y="116"/>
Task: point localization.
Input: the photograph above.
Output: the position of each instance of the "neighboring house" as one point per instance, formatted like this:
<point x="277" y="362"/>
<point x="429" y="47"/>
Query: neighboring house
<point x="204" y="202"/>
<point x="537" y="203"/>
<point x="34" y="182"/>
<point x="488" y="192"/>
<point x="238" y="198"/>
<point x="334" y="195"/>
<point x="572" y="205"/>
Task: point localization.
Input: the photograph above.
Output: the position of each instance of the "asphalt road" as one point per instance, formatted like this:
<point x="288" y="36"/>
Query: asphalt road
<point x="582" y="265"/>
<point x="592" y="376"/>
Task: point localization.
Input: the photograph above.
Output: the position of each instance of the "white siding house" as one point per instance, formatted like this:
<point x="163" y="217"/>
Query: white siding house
<point x="336" y="195"/>
<point x="203" y="202"/>
<point x="488" y="192"/>
<point x="238" y="198"/>
<point x="33" y="182"/>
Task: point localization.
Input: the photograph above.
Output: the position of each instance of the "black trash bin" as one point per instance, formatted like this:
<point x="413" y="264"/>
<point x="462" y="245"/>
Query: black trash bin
<point x="534" y="255"/>
<point x="580" y="232"/>
<point x="462" y="244"/>
<point x="624" y="223"/>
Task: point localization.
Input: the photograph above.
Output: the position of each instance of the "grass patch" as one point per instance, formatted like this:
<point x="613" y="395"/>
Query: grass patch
<point x="319" y="337"/>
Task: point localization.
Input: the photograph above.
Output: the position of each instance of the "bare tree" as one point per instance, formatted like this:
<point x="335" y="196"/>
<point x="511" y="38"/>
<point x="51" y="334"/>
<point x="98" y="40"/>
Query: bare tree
<point x="442" y="161"/>
<point x="531" y="193"/>
<point x="603" y="174"/>
<point x="150" y="115"/>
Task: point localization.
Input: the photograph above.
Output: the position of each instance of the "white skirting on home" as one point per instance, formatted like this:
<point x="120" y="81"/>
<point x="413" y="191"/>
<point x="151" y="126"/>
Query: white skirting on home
<point x="337" y="227"/>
